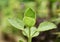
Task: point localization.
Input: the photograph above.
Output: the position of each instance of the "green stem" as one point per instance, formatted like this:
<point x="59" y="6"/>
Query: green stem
<point x="29" y="38"/>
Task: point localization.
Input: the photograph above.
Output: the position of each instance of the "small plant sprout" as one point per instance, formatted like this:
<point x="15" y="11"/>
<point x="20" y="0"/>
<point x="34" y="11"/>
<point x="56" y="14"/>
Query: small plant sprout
<point x="29" y="21"/>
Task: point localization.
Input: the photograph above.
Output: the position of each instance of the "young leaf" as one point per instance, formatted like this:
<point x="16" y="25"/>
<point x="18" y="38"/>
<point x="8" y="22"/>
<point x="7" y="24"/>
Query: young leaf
<point x="46" y="26"/>
<point x="16" y="23"/>
<point x="26" y="32"/>
<point x="29" y="17"/>
<point x="33" y="32"/>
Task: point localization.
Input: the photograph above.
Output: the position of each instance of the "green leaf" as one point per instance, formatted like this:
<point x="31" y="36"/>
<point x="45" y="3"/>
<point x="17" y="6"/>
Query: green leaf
<point x="16" y="23"/>
<point x="29" y="17"/>
<point x="46" y="26"/>
<point x="26" y="32"/>
<point x="33" y="32"/>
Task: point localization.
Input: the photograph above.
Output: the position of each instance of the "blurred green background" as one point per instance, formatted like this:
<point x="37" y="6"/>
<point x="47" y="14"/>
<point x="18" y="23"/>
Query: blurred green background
<point x="45" y="9"/>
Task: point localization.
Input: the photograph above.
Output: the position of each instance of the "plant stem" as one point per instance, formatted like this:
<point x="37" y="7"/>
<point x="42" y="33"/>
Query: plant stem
<point x="29" y="38"/>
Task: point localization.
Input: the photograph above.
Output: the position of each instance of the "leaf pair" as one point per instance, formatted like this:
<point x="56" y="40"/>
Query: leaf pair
<point x="29" y="17"/>
<point x="33" y="32"/>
